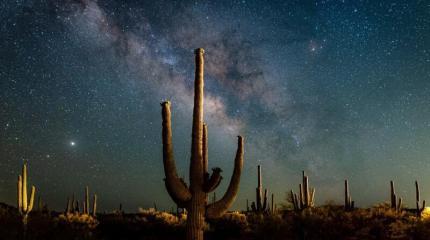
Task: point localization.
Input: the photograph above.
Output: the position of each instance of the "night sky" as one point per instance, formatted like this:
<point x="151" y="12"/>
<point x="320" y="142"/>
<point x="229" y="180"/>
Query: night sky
<point x="340" y="89"/>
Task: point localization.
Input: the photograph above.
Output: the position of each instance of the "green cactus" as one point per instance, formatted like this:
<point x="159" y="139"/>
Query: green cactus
<point x="24" y="205"/>
<point x="195" y="197"/>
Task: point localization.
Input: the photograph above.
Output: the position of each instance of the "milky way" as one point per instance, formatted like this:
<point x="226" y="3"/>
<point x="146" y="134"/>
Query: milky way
<point x="340" y="89"/>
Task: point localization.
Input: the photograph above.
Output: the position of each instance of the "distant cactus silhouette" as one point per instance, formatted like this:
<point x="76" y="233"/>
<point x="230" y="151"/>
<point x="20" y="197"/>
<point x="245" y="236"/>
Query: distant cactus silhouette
<point x="306" y="196"/>
<point x="349" y="203"/>
<point x="94" y="212"/>
<point x="260" y="204"/>
<point x="72" y="205"/>
<point x="69" y="206"/>
<point x="247" y="205"/>
<point x="86" y="203"/>
<point x="393" y="197"/>
<point x="25" y="205"/>
<point x="419" y="209"/>
<point x="194" y="198"/>
<point x="273" y="205"/>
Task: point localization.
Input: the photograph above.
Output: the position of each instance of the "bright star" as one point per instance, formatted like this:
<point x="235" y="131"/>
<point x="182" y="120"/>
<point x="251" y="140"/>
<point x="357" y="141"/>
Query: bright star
<point x="72" y="143"/>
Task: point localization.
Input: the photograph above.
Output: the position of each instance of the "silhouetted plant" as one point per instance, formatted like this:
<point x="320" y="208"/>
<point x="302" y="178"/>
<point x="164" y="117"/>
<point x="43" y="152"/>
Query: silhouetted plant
<point x="194" y="198"/>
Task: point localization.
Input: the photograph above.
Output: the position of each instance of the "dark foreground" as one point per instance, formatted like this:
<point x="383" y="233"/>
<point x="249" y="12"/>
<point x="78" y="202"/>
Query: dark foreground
<point x="326" y="222"/>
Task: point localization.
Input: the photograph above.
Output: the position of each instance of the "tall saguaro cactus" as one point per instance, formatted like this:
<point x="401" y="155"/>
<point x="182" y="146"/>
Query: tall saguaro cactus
<point x="86" y="203"/>
<point x="194" y="197"/>
<point x="306" y="195"/>
<point x="24" y="205"/>
<point x="419" y="209"/>
<point x="260" y="204"/>
<point x="393" y="197"/>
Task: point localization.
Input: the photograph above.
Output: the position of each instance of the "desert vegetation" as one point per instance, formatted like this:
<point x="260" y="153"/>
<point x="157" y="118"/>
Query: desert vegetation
<point x="195" y="218"/>
<point x="328" y="221"/>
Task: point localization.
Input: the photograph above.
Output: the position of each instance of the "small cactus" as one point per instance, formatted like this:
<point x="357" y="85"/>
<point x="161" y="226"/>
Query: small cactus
<point x="349" y="204"/>
<point x="72" y="205"/>
<point x="247" y="205"/>
<point x="260" y="205"/>
<point x="94" y="212"/>
<point x="24" y="205"/>
<point x="77" y="208"/>
<point x="86" y="201"/>
<point x="419" y="209"/>
<point x="306" y="195"/>
<point x="273" y="206"/>
<point x="393" y="197"/>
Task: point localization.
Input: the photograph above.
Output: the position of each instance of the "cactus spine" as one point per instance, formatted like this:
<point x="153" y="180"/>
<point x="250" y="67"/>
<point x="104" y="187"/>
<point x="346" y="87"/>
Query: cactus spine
<point x="419" y="209"/>
<point x="24" y="205"/>
<point x="260" y="204"/>
<point x="349" y="204"/>
<point x="194" y="197"/>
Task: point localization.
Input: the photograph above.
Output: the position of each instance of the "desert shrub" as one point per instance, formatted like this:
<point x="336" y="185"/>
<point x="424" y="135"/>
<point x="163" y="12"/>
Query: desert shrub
<point x="324" y="222"/>
<point x="269" y="226"/>
<point x="78" y="221"/>
<point x="152" y="216"/>
<point x="230" y="224"/>
<point x="76" y="225"/>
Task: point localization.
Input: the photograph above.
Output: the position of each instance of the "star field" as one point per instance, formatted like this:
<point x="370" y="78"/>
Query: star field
<point x="339" y="89"/>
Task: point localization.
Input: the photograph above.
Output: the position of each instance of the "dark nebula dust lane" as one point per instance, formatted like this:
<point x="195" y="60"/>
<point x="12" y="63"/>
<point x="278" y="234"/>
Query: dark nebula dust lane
<point x="339" y="89"/>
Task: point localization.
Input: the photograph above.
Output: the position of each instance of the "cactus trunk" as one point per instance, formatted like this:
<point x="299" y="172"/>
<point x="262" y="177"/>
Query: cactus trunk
<point x="24" y="188"/>
<point x="94" y="213"/>
<point x="348" y="199"/>
<point x="346" y="195"/>
<point x="305" y="190"/>
<point x="419" y="209"/>
<point x="392" y="195"/>
<point x="195" y="218"/>
<point x="272" y="207"/>
<point x="20" y="194"/>
<point x="261" y="205"/>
